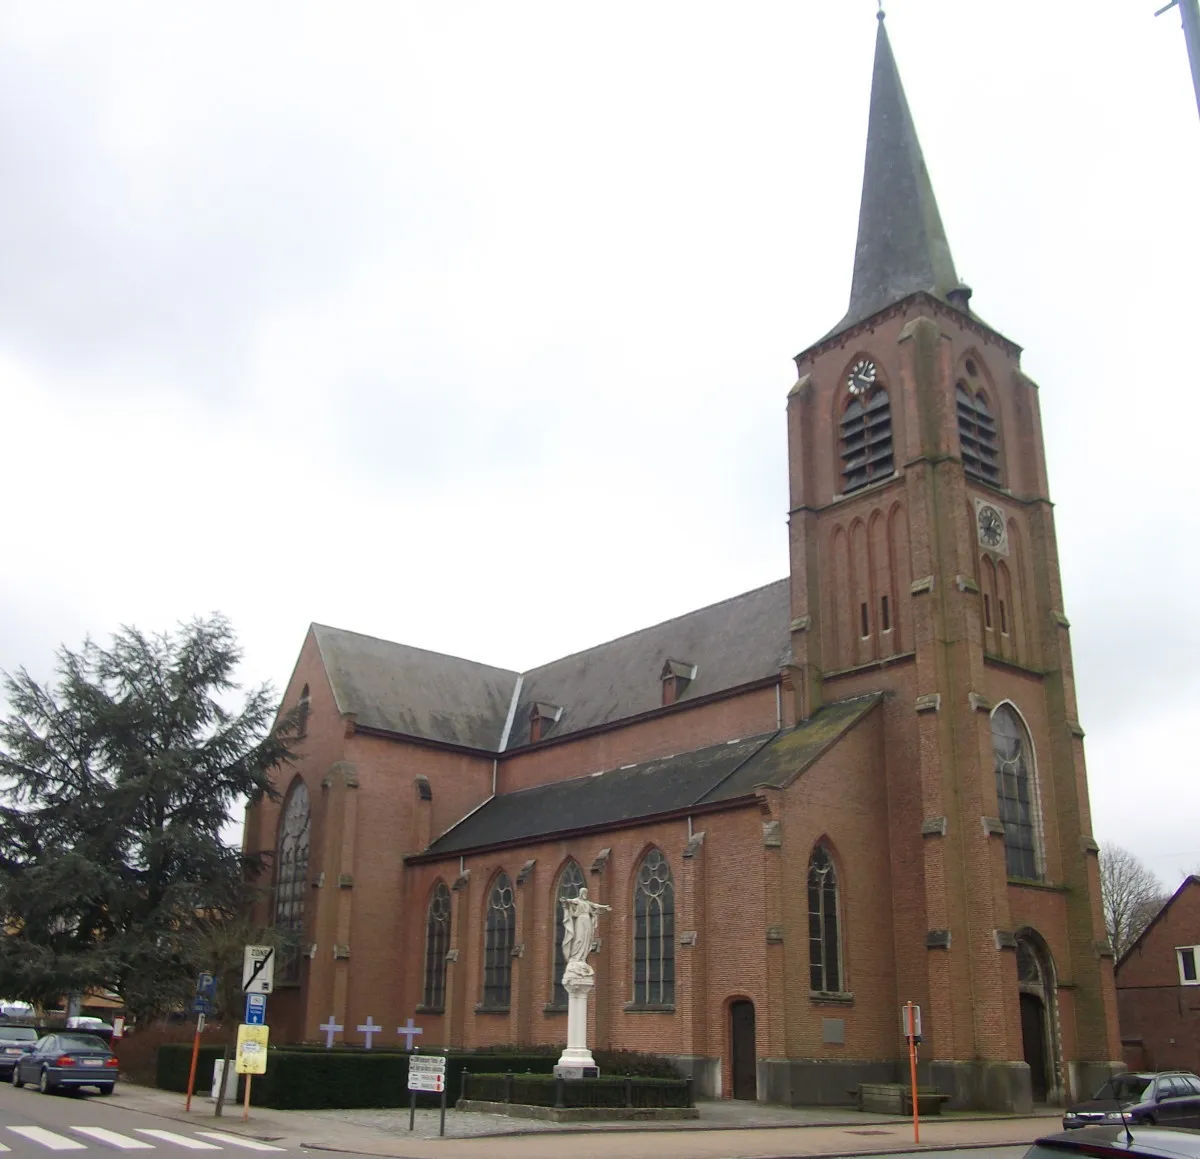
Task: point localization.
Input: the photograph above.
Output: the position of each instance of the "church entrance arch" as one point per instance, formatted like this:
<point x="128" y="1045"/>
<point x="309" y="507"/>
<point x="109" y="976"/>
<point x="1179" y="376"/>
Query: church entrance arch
<point x="1039" y="1016"/>
<point x="743" y="1050"/>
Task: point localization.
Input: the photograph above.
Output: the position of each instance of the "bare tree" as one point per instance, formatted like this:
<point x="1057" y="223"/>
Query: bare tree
<point x="1130" y="893"/>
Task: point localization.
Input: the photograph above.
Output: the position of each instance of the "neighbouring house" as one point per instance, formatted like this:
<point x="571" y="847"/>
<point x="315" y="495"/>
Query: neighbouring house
<point x="1158" y="987"/>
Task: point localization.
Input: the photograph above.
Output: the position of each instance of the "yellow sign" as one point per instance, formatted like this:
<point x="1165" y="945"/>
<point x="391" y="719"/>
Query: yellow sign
<point x="252" y="1049"/>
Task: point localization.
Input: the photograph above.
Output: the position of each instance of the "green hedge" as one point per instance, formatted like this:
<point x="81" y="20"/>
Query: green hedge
<point x="541" y="1090"/>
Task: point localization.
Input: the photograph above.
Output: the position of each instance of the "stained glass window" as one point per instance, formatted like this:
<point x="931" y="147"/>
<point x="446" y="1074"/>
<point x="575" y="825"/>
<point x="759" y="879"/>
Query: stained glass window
<point x="437" y="944"/>
<point x="291" y="879"/>
<point x="499" y="927"/>
<point x="654" y="933"/>
<point x="824" y="949"/>
<point x="1015" y="793"/>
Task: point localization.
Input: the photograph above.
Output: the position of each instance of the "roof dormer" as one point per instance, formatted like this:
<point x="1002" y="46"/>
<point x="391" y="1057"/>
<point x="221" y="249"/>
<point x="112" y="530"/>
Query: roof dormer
<point x="676" y="676"/>
<point x="542" y="718"/>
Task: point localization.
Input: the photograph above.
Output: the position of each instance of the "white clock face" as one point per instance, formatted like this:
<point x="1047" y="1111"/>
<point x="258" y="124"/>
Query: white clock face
<point x="861" y="377"/>
<point x="991" y="526"/>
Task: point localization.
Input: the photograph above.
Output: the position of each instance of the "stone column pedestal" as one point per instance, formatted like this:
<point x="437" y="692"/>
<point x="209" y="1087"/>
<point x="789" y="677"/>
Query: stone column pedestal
<point x="576" y="1061"/>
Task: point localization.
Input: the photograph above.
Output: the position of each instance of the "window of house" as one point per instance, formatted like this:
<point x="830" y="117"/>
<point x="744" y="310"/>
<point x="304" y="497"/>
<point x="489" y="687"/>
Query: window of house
<point x="885" y="614"/>
<point x="866" y="440"/>
<point x="437" y="945"/>
<point x="1187" y="965"/>
<point x="824" y="943"/>
<point x="499" y="927"/>
<point x="291" y="879"/>
<point x="977" y="435"/>
<point x="1016" y="793"/>
<point x="654" y="933"/>
<point x="570" y="882"/>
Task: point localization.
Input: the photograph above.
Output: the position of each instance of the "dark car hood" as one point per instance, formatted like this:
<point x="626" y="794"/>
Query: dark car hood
<point x="1098" y="1106"/>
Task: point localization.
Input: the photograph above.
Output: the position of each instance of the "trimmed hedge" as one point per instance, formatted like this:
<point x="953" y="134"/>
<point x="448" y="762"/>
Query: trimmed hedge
<point x="175" y="1060"/>
<point x="541" y="1090"/>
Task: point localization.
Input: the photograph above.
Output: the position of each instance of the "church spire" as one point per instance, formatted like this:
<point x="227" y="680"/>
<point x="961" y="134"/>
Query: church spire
<point x="902" y="247"/>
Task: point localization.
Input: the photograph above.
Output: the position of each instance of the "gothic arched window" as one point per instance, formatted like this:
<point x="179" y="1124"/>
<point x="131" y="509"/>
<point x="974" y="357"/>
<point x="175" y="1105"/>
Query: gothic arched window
<point x="866" y="439"/>
<point x="302" y="708"/>
<point x="498" y="929"/>
<point x="824" y="941"/>
<point x="977" y="435"/>
<point x="291" y="878"/>
<point x="437" y="945"/>
<point x="1016" y="793"/>
<point x="654" y="933"/>
<point x="570" y="882"/>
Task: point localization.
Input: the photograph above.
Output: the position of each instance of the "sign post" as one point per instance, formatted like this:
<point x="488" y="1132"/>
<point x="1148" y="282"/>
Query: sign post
<point x="426" y="1072"/>
<point x="910" y="1017"/>
<point x="206" y="990"/>
<point x="251" y="1057"/>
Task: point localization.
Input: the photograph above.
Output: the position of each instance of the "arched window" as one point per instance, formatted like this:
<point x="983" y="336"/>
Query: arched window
<point x="498" y="930"/>
<point x="654" y="933"/>
<point x="977" y="435"/>
<point x="866" y="439"/>
<point x="437" y="944"/>
<point x="824" y="942"/>
<point x="302" y="708"/>
<point x="291" y="879"/>
<point x="570" y="882"/>
<point x="1016" y="793"/>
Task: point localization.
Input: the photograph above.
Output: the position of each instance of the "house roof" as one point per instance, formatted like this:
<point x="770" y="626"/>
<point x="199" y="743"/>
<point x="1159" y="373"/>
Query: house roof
<point x="707" y="776"/>
<point x="1189" y="881"/>
<point x="415" y="692"/>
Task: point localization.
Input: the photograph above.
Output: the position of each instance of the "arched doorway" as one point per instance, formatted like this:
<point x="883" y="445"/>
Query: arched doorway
<point x="742" y="1049"/>
<point x="1039" y="1038"/>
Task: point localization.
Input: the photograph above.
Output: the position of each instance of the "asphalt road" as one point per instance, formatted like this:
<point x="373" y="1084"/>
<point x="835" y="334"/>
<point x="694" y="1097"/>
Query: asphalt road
<point x="36" y="1126"/>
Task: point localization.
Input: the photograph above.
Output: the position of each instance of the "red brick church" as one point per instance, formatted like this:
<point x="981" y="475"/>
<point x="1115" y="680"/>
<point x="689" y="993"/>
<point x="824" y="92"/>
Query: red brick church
<point x="859" y="785"/>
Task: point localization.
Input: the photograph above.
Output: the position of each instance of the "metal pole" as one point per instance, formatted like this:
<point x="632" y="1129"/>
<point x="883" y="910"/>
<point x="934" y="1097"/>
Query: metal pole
<point x="246" y="1103"/>
<point x="912" y="1066"/>
<point x="442" y="1129"/>
<point x="412" y="1108"/>
<point x="195" y="1056"/>
<point x="1189" y="11"/>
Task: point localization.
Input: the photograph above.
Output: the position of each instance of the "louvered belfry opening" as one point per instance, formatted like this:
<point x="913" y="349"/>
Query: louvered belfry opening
<point x="977" y="435"/>
<point x="866" y="440"/>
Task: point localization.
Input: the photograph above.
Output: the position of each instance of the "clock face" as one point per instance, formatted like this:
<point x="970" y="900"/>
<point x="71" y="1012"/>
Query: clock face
<point x="991" y="526"/>
<point x="861" y="378"/>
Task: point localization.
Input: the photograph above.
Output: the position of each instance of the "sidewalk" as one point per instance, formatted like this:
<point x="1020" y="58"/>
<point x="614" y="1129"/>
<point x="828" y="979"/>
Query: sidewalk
<point x="725" y="1128"/>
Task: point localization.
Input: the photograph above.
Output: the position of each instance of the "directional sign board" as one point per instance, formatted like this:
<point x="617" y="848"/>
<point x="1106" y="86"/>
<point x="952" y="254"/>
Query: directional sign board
<point x="256" y="1009"/>
<point x="258" y="969"/>
<point x="252" y="1049"/>
<point x="427" y="1072"/>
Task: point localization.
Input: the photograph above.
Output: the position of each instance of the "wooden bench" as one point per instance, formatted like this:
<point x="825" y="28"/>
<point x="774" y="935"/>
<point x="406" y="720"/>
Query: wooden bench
<point x="896" y="1099"/>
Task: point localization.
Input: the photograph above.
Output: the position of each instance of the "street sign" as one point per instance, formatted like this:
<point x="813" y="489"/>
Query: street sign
<point x="910" y="1021"/>
<point x="118" y="1026"/>
<point x="199" y="1025"/>
<point x="258" y="969"/>
<point x="426" y="1082"/>
<point x="252" y="1049"/>
<point x="201" y="1006"/>
<point x="427" y="1064"/>
<point x="206" y="986"/>
<point x="256" y="1009"/>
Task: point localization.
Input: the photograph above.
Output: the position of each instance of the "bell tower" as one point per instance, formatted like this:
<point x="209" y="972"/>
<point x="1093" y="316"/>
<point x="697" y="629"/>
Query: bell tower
<point x="923" y="564"/>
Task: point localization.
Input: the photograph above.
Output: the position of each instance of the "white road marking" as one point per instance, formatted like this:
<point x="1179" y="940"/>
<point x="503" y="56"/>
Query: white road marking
<point x="48" y="1139"/>
<point x="115" y="1138"/>
<point x="240" y="1141"/>
<point x="4" y="1148"/>
<point x="177" y="1140"/>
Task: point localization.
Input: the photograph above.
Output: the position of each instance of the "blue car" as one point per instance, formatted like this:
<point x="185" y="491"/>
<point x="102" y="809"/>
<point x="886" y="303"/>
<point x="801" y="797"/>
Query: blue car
<point x="14" y="1042"/>
<point x="66" y="1061"/>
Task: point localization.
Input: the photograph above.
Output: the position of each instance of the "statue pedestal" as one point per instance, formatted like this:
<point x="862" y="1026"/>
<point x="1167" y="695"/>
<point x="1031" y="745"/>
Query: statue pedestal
<point x="576" y="1061"/>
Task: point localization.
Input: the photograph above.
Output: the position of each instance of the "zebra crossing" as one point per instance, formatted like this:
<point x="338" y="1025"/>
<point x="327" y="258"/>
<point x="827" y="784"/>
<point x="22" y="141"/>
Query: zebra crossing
<point x="139" y="1139"/>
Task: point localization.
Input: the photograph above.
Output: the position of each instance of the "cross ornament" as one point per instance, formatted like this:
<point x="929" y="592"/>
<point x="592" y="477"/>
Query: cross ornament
<point x="409" y="1031"/>
<point x="331" y="1028"/>
<point x="369" y="1030"/>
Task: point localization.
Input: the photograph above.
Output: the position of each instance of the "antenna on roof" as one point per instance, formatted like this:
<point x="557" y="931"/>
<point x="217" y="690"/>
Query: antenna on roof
<point x="1189" y="10"/>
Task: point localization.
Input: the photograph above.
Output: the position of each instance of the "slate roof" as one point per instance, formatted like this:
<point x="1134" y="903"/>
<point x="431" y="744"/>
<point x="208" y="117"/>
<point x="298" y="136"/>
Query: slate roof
<point x="442" y="698"/>
<point x="706" y="776"/>
<point x="902" y="246"/>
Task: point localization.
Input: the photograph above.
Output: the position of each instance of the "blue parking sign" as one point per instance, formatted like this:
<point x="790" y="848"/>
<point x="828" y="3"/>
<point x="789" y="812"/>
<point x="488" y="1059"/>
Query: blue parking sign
<point x="256" y="1009"/>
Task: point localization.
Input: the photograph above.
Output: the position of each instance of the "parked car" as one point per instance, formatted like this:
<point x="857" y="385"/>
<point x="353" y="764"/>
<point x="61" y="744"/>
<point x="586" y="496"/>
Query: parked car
<point x="67" y="1060"/>
<point x="14" y="1042"/>
<point x="1166" y="1098"/>
<point x="1118" y="1141"/>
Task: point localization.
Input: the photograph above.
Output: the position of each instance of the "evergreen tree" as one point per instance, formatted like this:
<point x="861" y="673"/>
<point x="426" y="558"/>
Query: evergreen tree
<point x="115" y="783"/>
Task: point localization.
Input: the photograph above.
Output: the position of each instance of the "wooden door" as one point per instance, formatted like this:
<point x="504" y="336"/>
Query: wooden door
<point x="743" y="1050"/>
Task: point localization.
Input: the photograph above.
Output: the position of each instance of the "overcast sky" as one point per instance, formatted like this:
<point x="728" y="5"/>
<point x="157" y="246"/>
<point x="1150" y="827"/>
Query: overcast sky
<point x="470" y="324"/>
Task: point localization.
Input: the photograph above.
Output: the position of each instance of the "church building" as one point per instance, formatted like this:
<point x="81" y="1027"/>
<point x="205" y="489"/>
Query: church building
<point x="859" y="785"/>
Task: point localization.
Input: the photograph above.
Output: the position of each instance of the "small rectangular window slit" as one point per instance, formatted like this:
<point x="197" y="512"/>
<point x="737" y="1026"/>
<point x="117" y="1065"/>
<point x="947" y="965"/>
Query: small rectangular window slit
<point x="866" y="623"/>
<point x="1003" y="619"/>
<point x="885" y="617"/>
<point x="987" y="611"/>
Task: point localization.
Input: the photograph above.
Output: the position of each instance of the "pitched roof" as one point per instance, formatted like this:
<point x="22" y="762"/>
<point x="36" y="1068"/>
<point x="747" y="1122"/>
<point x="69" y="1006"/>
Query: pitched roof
<point x="442" y="698"/>
<point x="1191" y="880"/>
<point x="902" y="246"/>
<point x="706" y="776"/>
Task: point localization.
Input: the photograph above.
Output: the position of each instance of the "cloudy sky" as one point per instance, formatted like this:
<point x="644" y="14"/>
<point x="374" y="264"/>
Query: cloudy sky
<point x="470" y="324"/>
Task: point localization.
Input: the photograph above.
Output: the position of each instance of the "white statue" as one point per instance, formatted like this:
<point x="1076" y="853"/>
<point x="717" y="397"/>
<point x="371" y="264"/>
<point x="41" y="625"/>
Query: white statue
<point x="579" y="934"/>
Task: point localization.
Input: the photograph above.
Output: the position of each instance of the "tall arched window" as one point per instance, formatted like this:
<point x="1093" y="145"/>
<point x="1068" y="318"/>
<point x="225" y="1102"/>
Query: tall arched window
<point x="437" y="944"/>
<point x="977" y="435"/>
<point x="1016" y="793"/>
<point x="866" y="439"/>
<point x="570" y="882"/>
<point x="824" y="941"/>
<point x="499" y="925"/>
<point x="302" y="707"/>
<point x="654" y="933"/>
<point x="291" y="878"/>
